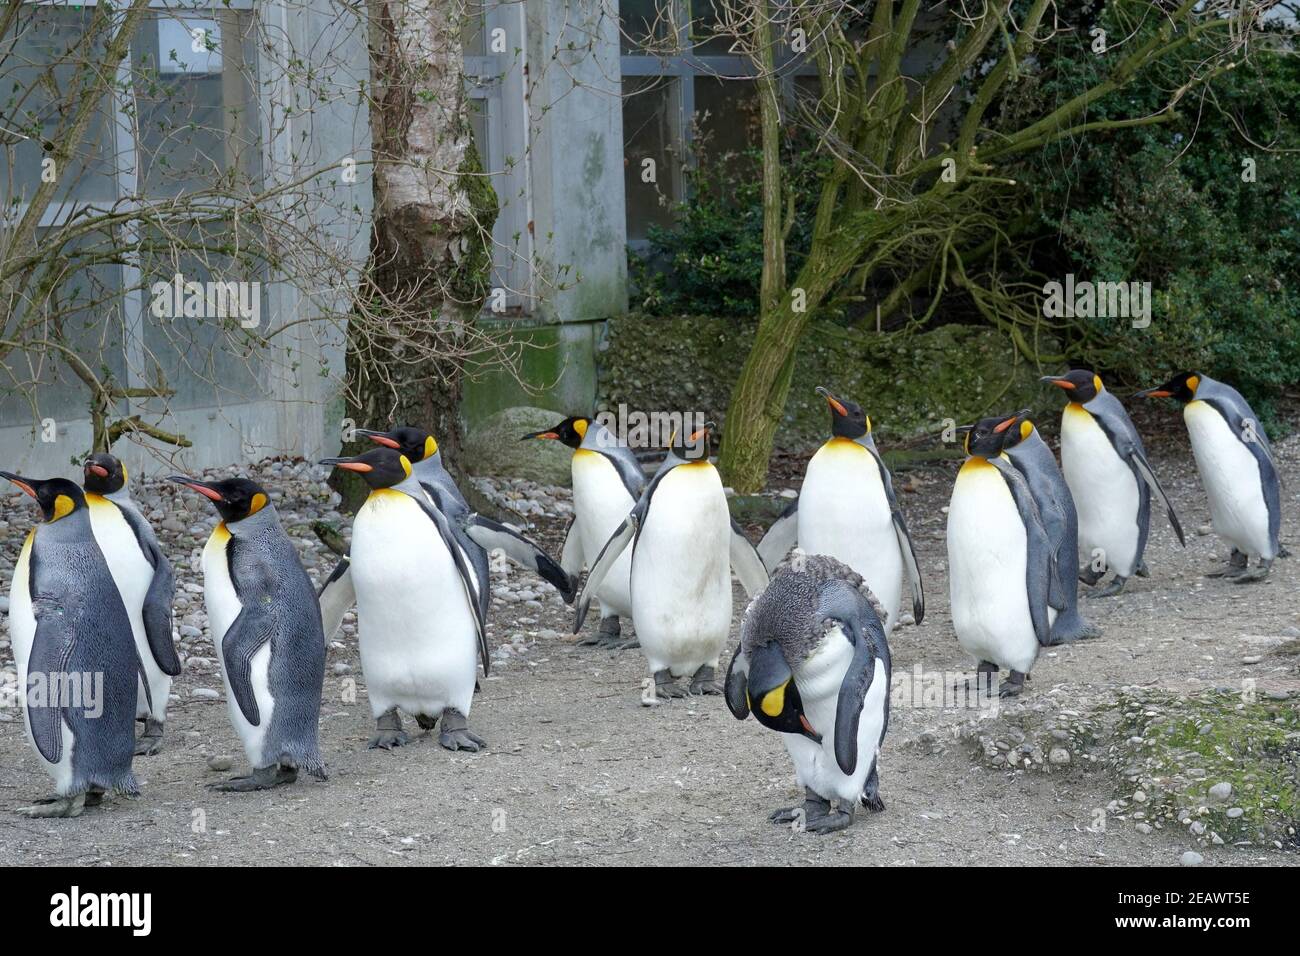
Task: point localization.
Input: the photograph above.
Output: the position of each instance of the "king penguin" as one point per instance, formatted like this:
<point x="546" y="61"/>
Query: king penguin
<point x="1000" y="560"/>
<point x="1237" y="467"/>
<point x="684" y="545"/>
<point x="265" y="624"/>
<point x="814" y="664"/>
<point x="847" y="509"/>
<point x="607" y="482"/>
<point x="1111" y="480"/>
<point x="1033" y="459"/>
<point x="419" y="626"/>
<point x="145" y="580"/>
<point x="75" y="654"/>
<point x="476" y="534"/>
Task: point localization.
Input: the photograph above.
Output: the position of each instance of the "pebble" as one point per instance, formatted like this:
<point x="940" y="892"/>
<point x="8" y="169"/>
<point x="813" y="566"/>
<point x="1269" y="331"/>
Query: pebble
<point x="1221" y="792"/>
<point x="220" y="763"/>
<point x="1234" y="812"/>
<point x="1059" y="756"/>
<point x="1143" y="828"/>
<point x="205" y="693"/>
<point x="1191" y="858"/>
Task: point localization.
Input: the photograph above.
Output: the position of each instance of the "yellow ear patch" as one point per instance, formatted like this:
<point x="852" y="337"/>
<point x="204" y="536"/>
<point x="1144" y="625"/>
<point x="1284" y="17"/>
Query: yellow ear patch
<point x="63" y="505"/>
<point x="406" y="463"/>
<point x="580" y="426"/>
<point x="430" y="447"/>
<point x="868" y="418"/>
<point x="259" y="502"/>
<point x="1096" y="383"/>
<point x="1026" y="429"/>
<point x="774" y="701"/>
<point x="124" y="478"/>
<point x="1192" y="382"/>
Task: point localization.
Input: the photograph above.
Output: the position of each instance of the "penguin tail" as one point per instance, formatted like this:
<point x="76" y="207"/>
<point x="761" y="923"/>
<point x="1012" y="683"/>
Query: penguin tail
<point x="1072" y="626"/>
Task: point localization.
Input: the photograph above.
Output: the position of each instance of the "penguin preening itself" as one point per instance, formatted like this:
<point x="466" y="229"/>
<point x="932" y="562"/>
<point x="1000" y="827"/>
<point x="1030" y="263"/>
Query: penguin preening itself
<point x="1033" y="459"/>
<point x="607" y="482"/>
<point x="1111" y="480"/>
<point x="1001" y="561"/>
<point x="146" y="582"/>
<point x="813" y="663"/>
<point x="847" y="509"/>
<point x="1237" y="467"/>
<point x="418" y="617"/>
<point x="684" y="545"/>
<point x="475" y="533"/>
<point x="266" y="627"/>
<point x="75" y="653"/>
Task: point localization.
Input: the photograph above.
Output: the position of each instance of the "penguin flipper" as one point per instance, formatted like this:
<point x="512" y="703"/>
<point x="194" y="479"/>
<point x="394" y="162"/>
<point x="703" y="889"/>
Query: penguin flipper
<point x="736" y="687"/>
<point x="1139" y="463"/>
<point x="571" y="559"/>
<point x="615" y="546"/>
<point x="253" y="626"/>
<point x="336" y="596"/>
<point x="861" y="625"/>
<point x="489" y="534"/>
<point x="1040" y="561"/>
<point x="157" y="613"/>
<point x="745" y="561"/>
<point x="475" y="591"/>
<point x="52" y="647"/>
<point x="905" y="546"/>
<point x="780" y="538"/>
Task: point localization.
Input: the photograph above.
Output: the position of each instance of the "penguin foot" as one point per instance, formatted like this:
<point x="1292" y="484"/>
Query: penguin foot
<point x="54" y="808"/>
<point x="814" y="805"/>
<point x="985" y="676"/>
<point x="608" y="633"/>
<point x="666" y="688"/>
<point x="262" y="778"/>
<point x="1250" y="575"/>
<point x="388" y="732"/>
<point x="1116" y="585"/>
<point x="1237" y="563"/>
<point x="150" y="740"/>
<point x="456" y="735"/>
<point x="1090" y="577"/>
<point x="1142" y="570"/>
<point x="704" y="682"/>
<point x="1013" y="685"/>
<point x="871" y="792"/>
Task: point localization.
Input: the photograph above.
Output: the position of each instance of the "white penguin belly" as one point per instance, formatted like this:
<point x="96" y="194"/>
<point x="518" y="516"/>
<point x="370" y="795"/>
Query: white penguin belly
<point x="602" y="502"/>
<point x="987" y="560"/>
<point x="132" y="573"/>
<point x="1230" y="474"/>
<point x="819" y="679"/>
<point x="223" y="606"/>
<point x="22" y="633"/>
<point x="844" y="513"/>
<point x="1105" y="493"/>
<point x="416" y="628"/>
<point x="681" y="572"/>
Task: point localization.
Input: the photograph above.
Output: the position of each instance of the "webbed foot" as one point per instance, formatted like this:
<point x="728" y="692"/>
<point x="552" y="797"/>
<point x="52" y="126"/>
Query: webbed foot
<point x="456" y="735"/>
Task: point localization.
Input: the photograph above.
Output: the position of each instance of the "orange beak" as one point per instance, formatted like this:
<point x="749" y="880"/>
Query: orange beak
<point x="205" y="491"/>
<point x="1000" y="427"/>
<point x="832" y="401"/>
<point x="359" y="466"/>
<point x="98" y="469"/>
<point x="1059" y="382"/>
<point x="697" y="435"/>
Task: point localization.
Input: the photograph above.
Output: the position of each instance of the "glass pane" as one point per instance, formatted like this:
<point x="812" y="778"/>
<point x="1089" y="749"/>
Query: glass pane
<point x="652" y="151"/>
<point x="84" y="313"/>
<point x="473" y="33"/>
<point x="649" y="26"/>
<point x="195" y="94"/>
<point x="727" y="120"/>
<point x="201" y="344"/>
<point x="41" y="57"/>
<point x="708" y="30"/>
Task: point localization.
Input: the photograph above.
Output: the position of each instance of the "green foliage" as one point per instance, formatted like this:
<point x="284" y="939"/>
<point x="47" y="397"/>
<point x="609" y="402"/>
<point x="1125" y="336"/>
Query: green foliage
<point x="1166" y="203"/>
<point x="710" y="261"/>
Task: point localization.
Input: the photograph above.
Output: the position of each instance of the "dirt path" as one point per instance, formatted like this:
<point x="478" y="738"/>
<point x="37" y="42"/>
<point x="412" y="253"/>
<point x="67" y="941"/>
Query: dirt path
<point x="580" y="772"/>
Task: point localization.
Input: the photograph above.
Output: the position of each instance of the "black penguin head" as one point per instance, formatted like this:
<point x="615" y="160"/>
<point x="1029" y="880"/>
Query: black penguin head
<point x="415" y="443"/>
<point x="234" y="498"/>
<point x="988" y="436"/>
<point x="848" y="420"/>
<point x="1083" y="385"/>
<point x="571" y="431"/>
<point x="772" y="694"/>
<point x="1181" y="387"/>
<point x="692" y="446"/>
<point x="104" y="474"/>
<point x="380" y="467"/>
<point x="58" y="497"/>
<point x="1018" y="432"/>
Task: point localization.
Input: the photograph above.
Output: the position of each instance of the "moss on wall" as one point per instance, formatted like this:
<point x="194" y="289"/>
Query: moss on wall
<point x="908" y="384"/>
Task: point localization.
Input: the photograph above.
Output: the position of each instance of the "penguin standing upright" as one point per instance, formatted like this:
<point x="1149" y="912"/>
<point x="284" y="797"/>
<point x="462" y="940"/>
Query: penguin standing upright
<point x="1000" y="560"/>
<point x="266" y="626"/>
<point x="1237" y="467"/>
<point x="847" y="509"/>
<point x="607" y="482"/>
<point x="145" y="580"/>
<point x="75" y="654"/>
<point x="1110" y="479"/>
<point x="419" y="625"/>
<point x="475" y="533"/>
<point x="1033" y="459"/>
<point x="684" y="544"/>
<point x="814" y="664"/>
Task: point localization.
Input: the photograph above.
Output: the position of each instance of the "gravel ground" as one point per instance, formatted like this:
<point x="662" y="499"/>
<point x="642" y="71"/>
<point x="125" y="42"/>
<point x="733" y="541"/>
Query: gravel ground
<point x="577" y="771"/>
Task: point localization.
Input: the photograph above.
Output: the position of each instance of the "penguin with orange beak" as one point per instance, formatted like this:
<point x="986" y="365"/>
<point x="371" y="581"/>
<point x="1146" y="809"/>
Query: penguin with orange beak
<point x="684" y="546"/>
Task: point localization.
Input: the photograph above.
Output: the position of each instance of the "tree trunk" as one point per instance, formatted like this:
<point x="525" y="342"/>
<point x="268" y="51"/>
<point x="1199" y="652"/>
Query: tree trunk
<point x="430" y="244"/>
